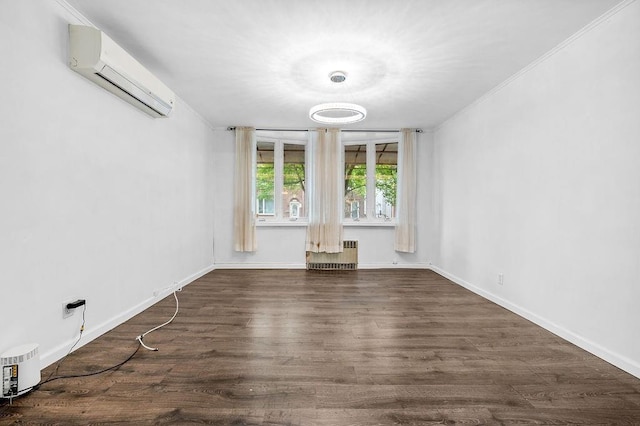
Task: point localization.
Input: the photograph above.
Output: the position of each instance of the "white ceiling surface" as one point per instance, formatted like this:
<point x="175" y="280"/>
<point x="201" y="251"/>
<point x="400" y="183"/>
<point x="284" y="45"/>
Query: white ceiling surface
<point x="264" y="63"/>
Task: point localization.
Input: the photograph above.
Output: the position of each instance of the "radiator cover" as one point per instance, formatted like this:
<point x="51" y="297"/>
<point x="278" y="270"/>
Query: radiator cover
<point x="347" y="260"/>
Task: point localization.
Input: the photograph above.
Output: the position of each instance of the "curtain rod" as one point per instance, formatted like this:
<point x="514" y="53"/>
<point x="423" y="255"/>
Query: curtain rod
<point x="342" y="130"/>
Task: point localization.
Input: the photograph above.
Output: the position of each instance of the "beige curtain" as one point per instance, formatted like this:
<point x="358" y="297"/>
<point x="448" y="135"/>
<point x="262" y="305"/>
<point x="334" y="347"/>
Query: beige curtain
<point x="244" y="227"/>
<point x="324" y="233"/>
<point x="406" y="214"/>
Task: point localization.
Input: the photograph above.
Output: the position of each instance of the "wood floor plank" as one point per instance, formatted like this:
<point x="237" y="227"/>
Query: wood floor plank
<point x="295" y="347"/>
<point x="574" y="396"/>
<point x="555" y="416"/>
<point x="416" y="396"/>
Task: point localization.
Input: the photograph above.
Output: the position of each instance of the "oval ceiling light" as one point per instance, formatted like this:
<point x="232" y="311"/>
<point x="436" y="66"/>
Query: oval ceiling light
<point x="337" y="113"/>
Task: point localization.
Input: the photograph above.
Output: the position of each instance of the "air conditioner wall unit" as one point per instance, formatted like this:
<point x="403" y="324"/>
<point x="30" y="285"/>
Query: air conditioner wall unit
<point x="95" y="56"/>
<point x="347" y="259"/>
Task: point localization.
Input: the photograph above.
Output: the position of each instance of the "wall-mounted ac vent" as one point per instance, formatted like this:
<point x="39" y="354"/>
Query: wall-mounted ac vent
<point x="95" y="56"/>
<point x="347" y="260"/>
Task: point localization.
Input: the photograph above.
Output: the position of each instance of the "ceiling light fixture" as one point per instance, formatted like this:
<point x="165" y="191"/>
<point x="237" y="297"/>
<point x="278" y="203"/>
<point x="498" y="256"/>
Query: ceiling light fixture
<point x="338" y="76"/>
<point x="337" y="112"/>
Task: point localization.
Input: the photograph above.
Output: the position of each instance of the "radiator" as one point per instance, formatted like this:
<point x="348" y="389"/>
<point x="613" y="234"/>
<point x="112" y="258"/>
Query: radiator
<point x="348" y="259"/>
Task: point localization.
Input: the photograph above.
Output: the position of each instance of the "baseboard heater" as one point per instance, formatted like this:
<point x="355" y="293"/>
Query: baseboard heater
<point x="347" y="260"/>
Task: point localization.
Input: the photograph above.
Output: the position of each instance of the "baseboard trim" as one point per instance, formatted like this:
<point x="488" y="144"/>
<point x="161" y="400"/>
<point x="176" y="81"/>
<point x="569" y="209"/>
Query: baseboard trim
<point x="261" y="265"/>
<point x="393" y="266"/>
<point x="92" y="333"/>
<point x="613" y="358"/>
<point x="304" y="266"/>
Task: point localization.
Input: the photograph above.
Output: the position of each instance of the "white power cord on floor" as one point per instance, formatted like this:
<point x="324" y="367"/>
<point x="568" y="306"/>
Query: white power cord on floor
<point x="140" y="337"/>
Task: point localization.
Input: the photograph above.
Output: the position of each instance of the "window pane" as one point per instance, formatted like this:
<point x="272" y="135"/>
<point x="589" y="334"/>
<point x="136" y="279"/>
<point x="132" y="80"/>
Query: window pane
<point x="293" y="181"/>
<point x="386" y="179"/>
<point x="355" y="181"/>
<point x="265" y="179"/>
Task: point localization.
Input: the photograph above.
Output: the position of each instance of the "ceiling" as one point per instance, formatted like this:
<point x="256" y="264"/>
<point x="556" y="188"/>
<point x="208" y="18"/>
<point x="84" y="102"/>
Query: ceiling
<point x="264" y="63"/>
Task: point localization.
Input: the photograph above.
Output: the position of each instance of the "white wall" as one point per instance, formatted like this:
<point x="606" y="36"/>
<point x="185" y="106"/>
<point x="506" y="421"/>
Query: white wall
<point x="284" y="247"/>
<point x="98" y="200"/>
<point x="540" y="181"/>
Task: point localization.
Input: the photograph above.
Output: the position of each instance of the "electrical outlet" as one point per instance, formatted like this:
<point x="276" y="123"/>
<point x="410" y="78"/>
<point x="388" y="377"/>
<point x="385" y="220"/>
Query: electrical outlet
<point x="69" y="307"/>
<point x="170" y="289"/>
<point x="500" y="279"/>
<point x="66" y="313"/>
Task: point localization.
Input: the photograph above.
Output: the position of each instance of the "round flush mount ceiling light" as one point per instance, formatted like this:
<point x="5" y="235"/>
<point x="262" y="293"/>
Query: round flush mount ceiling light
<point x="337" y="112"/>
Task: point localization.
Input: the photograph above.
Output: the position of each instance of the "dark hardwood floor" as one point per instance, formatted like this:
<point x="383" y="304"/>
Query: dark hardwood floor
<point x="368" y="347"/>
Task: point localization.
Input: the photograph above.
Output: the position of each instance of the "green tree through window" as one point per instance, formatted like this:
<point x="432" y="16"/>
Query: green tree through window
<point x="386" y="179"/>
<point x="387" y="182"/>
<point x="280" y="179"/>
<point x="265" y="179"/>
<point x="265" y="188"/>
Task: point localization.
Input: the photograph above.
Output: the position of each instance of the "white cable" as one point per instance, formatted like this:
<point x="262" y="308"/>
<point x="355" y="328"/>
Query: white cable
<point x="84" y="311"/>
<point x="140" y="337"/>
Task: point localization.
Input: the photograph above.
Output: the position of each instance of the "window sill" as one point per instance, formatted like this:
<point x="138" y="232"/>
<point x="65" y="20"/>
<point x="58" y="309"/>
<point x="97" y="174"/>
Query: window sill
<point x="304" y="223"/>
<point x="281" y="223"/>
<point x="369" y="224"/>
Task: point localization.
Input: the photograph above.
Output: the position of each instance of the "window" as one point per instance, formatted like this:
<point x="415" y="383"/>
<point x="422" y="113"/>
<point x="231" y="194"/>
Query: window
<point x="280" y="179"/>
<point x="294" y="209"/>
<point x="265" y="179"/>
<point x="370" y="180"/>
<point x="370" y="169"/>
<point x="293" y="179"/>
<point x="386" y="180"/>
<point x="355" y="181"/>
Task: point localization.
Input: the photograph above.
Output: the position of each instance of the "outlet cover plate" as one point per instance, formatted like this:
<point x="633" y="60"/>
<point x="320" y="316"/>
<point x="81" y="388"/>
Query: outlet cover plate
<point x="66" y="313"/>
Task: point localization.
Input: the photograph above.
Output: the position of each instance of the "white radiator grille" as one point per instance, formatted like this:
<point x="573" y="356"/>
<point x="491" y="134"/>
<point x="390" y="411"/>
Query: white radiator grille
<point x="347" y="260"/>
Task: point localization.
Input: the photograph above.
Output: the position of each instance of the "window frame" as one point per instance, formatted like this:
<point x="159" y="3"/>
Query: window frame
<point x="278" y="165"/>
<point x="370" y="202"/>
